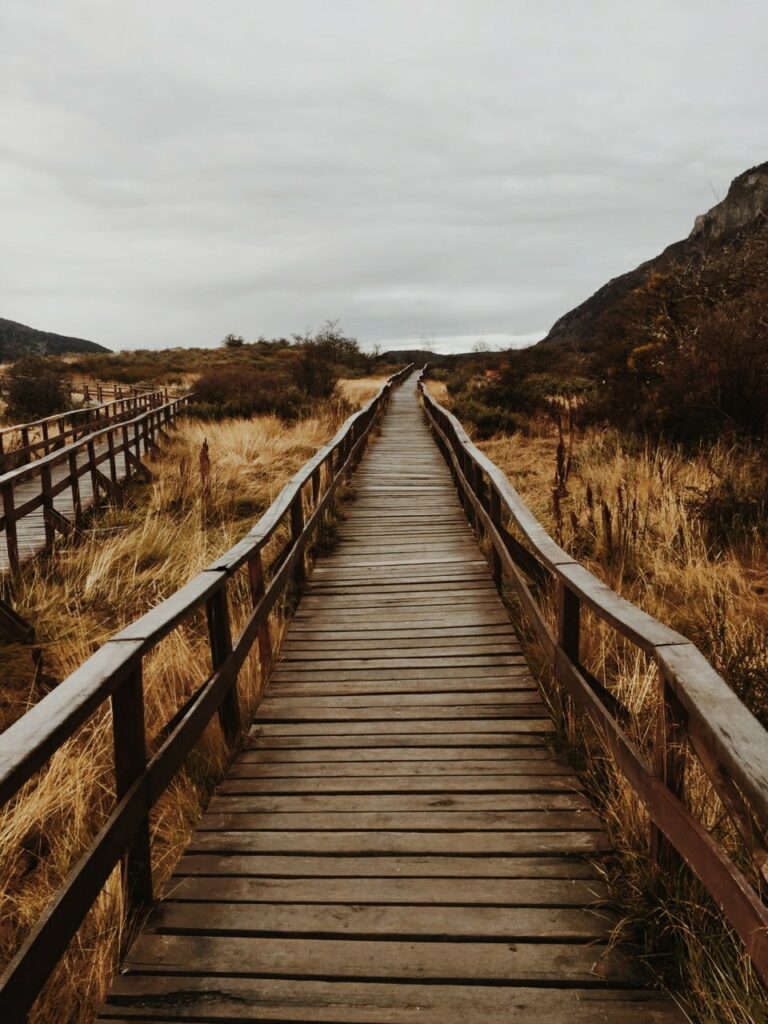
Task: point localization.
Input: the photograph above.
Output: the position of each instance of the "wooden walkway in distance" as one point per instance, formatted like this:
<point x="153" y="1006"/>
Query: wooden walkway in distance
<point x="31" y="529"/>
<point x="397" y="842"/>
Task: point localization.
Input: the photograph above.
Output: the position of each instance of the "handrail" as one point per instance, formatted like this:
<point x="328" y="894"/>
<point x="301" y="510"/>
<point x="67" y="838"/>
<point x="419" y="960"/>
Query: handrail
<point x="101" y="389"/>
<point x="130" y="437"/>
<point x="59" y="429"/>
<point x="114" y="672"/>
<point x="699" y="713"/>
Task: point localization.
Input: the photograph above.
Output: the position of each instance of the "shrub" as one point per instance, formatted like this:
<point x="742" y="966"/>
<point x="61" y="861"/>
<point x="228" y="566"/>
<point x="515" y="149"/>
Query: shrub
<point x="247" y="391"/>
<point x="486" y="420"/>
<point x="35" y="389"/>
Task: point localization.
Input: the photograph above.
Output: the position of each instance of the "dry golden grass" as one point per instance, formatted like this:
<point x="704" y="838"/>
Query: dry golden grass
<point x="636" y="516"/>
<point x="131" y="558"/>
<point x="438" y="390"/>
<point x="359" y="390"/>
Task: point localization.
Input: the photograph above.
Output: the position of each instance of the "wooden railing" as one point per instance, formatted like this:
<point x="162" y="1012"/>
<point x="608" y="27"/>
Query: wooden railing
<point x="23" y="442"/>
<point x="103" y="390"/>
<point x="114" y="673"/>
<point x="62" y="470"/>
<point x="699" y="713"/>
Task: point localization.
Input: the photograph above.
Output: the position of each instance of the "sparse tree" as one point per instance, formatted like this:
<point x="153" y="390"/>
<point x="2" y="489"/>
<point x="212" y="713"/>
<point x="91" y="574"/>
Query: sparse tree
<point x="233" y="341"/>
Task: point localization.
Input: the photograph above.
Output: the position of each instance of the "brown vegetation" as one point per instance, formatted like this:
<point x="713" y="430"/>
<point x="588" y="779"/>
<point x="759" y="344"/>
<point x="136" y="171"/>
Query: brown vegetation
<point x="685" y="537"/>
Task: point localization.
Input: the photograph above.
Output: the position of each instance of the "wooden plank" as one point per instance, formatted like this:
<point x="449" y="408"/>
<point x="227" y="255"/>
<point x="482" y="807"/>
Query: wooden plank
<point x="517" y="682"/>
<point x="500" y="842"/>
<point x="492" y="962"/>
<point x="410" y="729"/>
<point x="288" y="704"/>
<point x="153" y="999"/>
<point x="381" y="821"/>
<point x="532" y="708"/>
<point x="407" y="803"/>
<point x="363" y="920"/>
<point x="526" y="749"/>
<point x="510" y="892"/>
<point x="453" y="771"/>
<point x="299" y="665"/>
<point x="443" y="867"/>
<point x="424" y="784"/>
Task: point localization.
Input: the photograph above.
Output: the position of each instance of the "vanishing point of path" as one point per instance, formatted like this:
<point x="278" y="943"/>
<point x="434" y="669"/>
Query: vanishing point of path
<point x="397" y="842"/>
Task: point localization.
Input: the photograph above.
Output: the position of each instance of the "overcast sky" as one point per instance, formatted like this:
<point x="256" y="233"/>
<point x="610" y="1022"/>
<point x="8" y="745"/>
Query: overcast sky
<point x="461" y="169"/>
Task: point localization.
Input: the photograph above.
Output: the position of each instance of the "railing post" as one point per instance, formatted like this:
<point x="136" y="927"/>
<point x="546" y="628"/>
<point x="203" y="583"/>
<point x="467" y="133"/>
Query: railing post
<point x="669" y="758"/>
<point x="45" y="488"/>
<point x="258" y="589"/>
<point x="74" y="483"/>
<point x="297" y="528"/>
<point x="125" y="446"/>
<point x="467" y="469"/>
<point x="11" y="535"/>
<point x="568" y="621"/>
<point x="91" y="448"/>
<point x="112" y="461"/>
<point x="130" y="762"/>
<point x="495" y="513"/>
<point x="220" y="636"/>
<point x="137" y="441"/>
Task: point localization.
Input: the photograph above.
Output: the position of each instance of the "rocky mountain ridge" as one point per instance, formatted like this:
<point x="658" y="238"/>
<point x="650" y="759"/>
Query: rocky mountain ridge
<point x="17" y="340"/>
<point x="738" y="224"/>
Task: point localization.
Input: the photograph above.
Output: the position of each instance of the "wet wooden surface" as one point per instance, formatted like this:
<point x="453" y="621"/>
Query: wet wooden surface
<point x="397" y="842"/>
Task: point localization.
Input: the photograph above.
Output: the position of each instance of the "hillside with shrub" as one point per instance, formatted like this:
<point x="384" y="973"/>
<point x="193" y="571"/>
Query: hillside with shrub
<point x="676" y="348"/>
<point x="18" y="340"/>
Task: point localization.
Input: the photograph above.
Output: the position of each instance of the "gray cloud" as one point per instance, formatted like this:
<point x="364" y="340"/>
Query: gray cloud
<point x="171" y="171"/>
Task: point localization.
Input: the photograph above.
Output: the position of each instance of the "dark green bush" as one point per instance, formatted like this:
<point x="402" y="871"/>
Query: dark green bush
<point x="485" y="420"/>
<point x="247" y="391"/>
<point x="35" y="389"/>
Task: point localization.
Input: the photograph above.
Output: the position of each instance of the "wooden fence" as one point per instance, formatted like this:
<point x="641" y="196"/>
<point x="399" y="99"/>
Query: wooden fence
<point x="114" y="673"/>
<point x="103" y="390"/>
<point x="34" y="487"/>
<point x="700" y="716"/>
<point x="23" y="442"/>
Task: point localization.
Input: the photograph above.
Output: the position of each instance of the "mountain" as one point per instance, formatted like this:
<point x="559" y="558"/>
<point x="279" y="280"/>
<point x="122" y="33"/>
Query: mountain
<point x="724" y="257"/>
<point x="19" y="340"/>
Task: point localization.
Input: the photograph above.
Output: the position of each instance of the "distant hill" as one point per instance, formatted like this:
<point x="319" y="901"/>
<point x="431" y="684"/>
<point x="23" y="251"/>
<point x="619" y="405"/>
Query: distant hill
<point x="19" y="340"/>
<point x="723" y="259"/>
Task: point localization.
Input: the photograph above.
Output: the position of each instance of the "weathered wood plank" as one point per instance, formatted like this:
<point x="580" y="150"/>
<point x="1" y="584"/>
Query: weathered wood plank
<point x="500" y="842"/>
<point x="505" y="892"/>
<point x="361" y="920"/>
<point x="521" y="963"/>
<point x="153" y="999"/>
<point x="443" y="867"/>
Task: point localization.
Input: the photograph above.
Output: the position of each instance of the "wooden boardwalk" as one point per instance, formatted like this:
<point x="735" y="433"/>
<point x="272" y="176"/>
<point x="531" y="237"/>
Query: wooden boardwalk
<point x="31" y="529"/>
<point x="397" y="842"/>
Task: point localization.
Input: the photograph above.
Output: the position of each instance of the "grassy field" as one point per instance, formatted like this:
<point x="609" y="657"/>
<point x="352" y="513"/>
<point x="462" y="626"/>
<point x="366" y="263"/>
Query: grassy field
<point x="682" y="536"/>
<point x="130" y="558"/>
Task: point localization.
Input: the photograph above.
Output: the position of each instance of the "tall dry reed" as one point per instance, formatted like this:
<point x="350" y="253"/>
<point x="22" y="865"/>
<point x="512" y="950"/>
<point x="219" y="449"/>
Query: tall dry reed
<point x="684" y="537"/>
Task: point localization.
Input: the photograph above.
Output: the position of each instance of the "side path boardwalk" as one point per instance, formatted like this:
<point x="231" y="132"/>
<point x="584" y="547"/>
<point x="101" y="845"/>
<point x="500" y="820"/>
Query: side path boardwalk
<point x="397" y="843"/>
